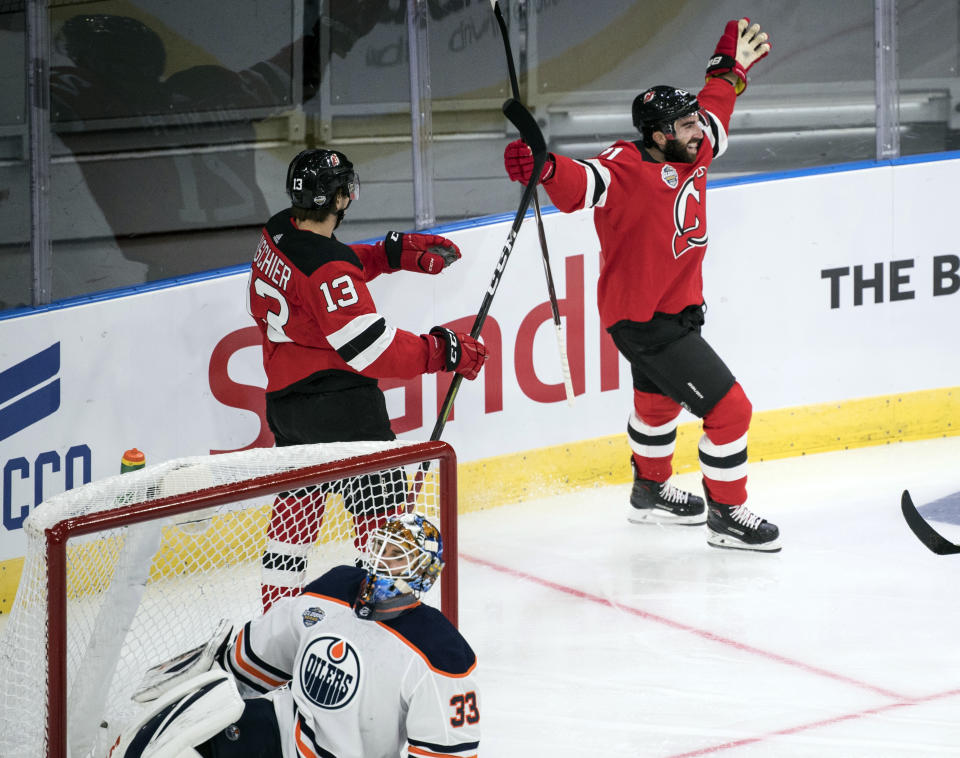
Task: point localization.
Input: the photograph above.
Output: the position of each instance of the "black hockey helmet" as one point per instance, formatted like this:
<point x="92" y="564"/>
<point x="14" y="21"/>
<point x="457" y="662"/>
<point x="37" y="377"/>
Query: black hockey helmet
<point x="657" y="108"/>
<point x="314" y="176"/>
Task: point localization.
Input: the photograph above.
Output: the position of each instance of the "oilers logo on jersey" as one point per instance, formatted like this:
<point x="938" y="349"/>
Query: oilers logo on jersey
<point x="330" y="672"/>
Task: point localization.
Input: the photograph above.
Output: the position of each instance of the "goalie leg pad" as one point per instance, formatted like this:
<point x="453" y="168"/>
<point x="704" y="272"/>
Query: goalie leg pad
<point x="184" y="717"/>
<point x="167" y="675"/>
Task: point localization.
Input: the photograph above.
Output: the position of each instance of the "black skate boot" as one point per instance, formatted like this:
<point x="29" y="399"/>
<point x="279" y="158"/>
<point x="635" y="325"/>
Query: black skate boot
<point x="735" y="527"/>
<point x="661" y="503"/>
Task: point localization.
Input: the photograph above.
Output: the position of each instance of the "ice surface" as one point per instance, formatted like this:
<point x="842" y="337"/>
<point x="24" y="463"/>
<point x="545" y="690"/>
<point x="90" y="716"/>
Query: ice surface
<point x="597" y="637"/>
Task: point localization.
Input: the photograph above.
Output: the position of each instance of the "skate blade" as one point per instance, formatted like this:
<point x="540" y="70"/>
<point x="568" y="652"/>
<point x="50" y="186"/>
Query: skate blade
<point x="662" y="518"/>
<point x="726" y="542"/>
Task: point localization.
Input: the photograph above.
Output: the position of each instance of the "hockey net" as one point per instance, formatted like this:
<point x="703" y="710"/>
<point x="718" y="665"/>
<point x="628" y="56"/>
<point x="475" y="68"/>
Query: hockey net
<point x="129" y="571"/>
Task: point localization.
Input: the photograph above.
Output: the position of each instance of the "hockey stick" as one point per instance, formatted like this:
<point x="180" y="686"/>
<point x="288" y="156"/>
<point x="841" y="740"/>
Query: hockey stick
<point x="925" y="533"/>
<point x="521" y="118"/>
<point x="525" y="123"/>
<point x="544" y="253"/>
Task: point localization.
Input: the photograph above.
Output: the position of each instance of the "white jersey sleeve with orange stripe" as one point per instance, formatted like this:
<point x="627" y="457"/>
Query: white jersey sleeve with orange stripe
<point x="261" y="655"/>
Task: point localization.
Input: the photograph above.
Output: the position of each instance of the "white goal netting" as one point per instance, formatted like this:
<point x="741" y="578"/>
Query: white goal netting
<point x="129" y="571"/>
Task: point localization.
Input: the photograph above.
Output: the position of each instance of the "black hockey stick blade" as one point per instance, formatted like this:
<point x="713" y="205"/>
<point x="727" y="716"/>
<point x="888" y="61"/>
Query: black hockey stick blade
<point x="529" y="129"/>
<point x="505" y="34"/>
<point x="925" y="533"/>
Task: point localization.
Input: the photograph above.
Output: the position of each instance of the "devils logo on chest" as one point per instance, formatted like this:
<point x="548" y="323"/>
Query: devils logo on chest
<point x="690" y="213"/>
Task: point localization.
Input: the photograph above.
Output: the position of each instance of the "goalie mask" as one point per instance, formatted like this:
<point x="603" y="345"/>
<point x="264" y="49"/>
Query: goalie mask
<point x="656" y="109"/>
<point x="402" y="557"/>
<point x="315" y="176"/>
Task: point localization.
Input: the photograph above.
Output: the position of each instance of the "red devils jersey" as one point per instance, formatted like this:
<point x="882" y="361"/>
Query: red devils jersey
<point x="308" y="294"/>
<point x="650" y="217"/>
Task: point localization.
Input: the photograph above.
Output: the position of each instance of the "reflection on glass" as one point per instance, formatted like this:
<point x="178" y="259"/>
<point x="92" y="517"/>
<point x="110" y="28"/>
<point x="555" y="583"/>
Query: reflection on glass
<point x="117" y="67"/>
<point x="157" y="141"/>
<point x="15" y="271"/>
<point x="811" y="104"/>
<point x="174" y="121"/>
<point x="928" y="50"/>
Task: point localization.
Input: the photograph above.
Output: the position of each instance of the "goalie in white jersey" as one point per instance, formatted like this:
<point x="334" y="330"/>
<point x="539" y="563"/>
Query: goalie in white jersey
<point x="354" y="666"/>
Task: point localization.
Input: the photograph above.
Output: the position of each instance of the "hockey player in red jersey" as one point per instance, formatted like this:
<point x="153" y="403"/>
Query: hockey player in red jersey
<point x="649" y="204"/>
<point x="325" y="345"/>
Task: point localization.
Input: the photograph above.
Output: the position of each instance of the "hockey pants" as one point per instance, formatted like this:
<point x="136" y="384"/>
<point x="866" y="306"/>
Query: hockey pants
<point x="673" y="367"/>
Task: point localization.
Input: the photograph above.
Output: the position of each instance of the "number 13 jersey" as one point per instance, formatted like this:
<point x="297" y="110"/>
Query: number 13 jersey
<point x="308" y="295"/>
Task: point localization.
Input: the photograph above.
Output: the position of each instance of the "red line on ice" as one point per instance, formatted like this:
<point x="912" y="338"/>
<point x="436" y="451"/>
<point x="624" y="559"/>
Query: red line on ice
<point x="901" y="700"/>
<point x="686" y="628"/>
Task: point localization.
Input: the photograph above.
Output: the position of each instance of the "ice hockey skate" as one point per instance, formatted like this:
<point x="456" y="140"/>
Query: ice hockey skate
<point x="661" y="503"/>
<point x="736" y="527"/>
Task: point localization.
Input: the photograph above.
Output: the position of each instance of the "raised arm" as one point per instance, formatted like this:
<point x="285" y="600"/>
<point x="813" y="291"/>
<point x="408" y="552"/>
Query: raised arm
<point x="741" y="45"/>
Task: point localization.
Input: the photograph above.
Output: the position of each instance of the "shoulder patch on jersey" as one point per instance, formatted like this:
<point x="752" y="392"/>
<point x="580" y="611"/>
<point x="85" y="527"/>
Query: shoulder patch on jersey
<point x="428" y="631"/>
<point x="341" y="583"/>
<point x="305" y="250"/>
<point x="669" y="175"/>
<point x="313" y="616"/>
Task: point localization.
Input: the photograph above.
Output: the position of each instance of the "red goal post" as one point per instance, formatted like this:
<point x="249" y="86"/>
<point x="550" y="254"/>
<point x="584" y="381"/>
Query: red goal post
<point x="212" y="536"/>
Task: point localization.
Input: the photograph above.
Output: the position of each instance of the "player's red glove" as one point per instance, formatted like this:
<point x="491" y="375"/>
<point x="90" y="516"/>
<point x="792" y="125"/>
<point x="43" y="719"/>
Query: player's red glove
<point x="518" y="160"/>
<point x="739" y="48"/>
<point x="423" y="253"/>
<point x="454" y="351"/>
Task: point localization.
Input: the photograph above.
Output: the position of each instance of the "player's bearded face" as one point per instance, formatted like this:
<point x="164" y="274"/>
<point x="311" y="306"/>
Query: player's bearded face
<point x="686" y="145"/>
